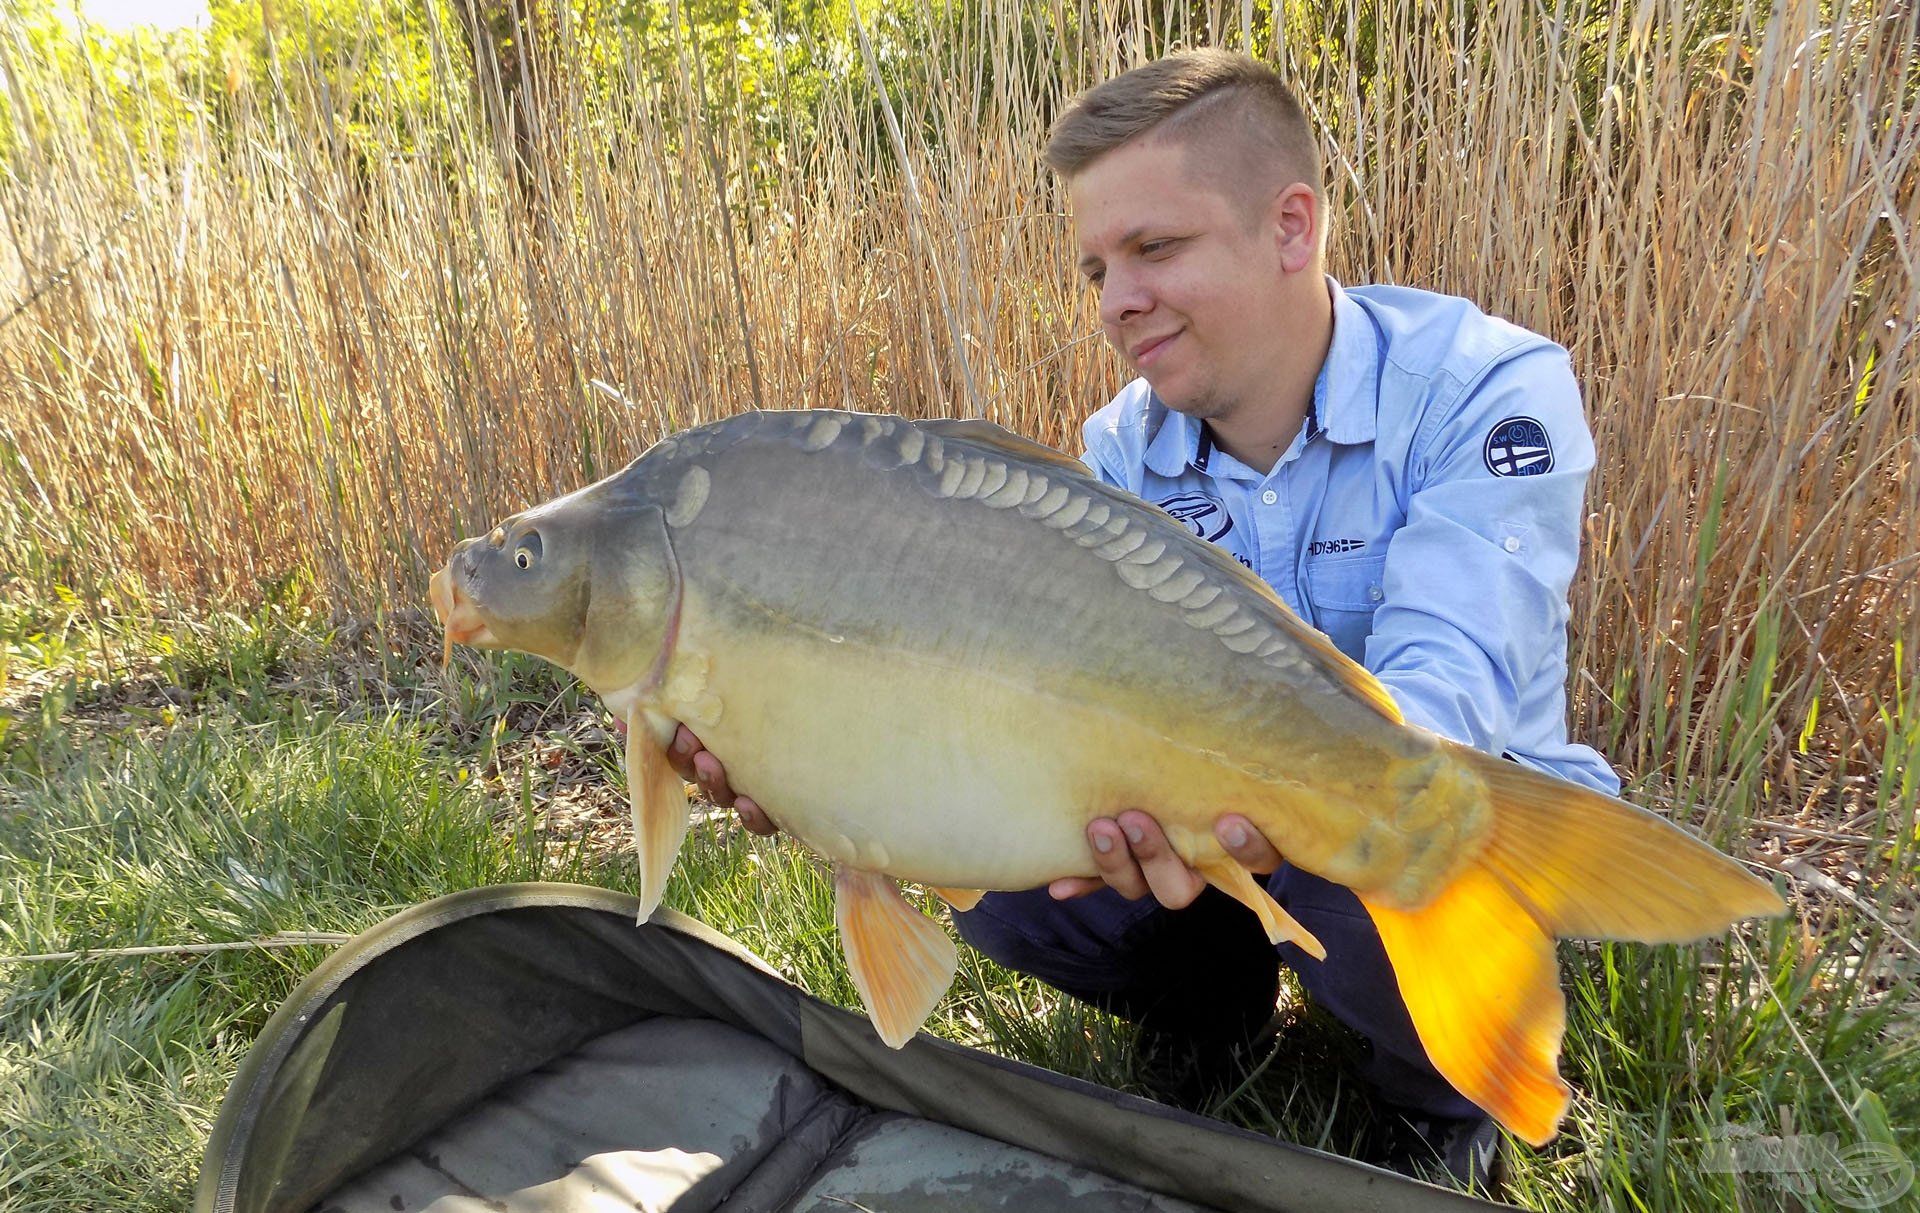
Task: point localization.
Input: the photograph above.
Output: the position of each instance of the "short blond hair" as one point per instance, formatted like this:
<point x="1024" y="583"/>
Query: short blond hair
<point x="1240" y="124"/>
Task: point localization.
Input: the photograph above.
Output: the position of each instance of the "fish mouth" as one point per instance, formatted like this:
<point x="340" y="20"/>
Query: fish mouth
<point x="458" y="615"/>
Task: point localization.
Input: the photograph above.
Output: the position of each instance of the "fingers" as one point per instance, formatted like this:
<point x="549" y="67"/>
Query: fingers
<point x="681" y="752"/>
<point x="712" y="778"/>
<point x="1068" y="887"/>
<point x="1134" y="859"/>
<point x="1246" y="844"/>
<point x="1119" y="870"/>
<point x="1173" y="883"/>
<point x="693" y="763"/>
<point x="754" y="818"/>
<point x="696" y="764"/>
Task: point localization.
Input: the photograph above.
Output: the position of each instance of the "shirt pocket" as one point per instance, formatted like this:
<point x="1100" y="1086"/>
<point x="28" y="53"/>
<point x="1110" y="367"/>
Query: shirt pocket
<point x="1344" y="594"/>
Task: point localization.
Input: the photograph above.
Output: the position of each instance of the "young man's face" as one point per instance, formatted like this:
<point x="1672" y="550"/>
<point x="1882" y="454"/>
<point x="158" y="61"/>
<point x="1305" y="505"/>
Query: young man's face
<point x="1194" y="291"/>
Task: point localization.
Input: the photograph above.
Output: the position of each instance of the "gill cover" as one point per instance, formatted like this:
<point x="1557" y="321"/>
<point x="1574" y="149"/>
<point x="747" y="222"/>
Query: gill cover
<point x="632" y="615"/>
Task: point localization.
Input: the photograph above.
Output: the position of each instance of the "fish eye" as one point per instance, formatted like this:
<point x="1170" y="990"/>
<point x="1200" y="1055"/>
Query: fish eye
<point x="526" y="553"/>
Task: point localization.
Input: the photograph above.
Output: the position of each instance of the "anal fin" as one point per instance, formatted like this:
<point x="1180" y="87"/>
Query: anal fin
<point x="1482" y="987"/>
<point x="1225" y="874"/>
<point x="960" y="899"/>
<point x="659" y="802"/>
<point x="902" y="961"/>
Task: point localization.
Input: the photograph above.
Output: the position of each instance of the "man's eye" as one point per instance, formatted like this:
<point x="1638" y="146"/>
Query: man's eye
<point x="1154" y="247"/>
<point x="1096" y="278"/>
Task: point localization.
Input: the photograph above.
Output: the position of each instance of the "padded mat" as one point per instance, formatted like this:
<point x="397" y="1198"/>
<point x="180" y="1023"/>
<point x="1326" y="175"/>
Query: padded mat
<point x="693" y="1115"/>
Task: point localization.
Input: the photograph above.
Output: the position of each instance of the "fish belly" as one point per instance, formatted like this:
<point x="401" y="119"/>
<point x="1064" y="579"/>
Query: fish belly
<point x="944" y="775"/>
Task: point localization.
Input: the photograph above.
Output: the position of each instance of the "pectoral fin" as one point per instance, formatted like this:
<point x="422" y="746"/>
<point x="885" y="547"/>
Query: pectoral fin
<point x="960" y="899"/>
<point x="659" y="801"/>
<point x="1238" y="883"/>
<point x="901" y="960"/>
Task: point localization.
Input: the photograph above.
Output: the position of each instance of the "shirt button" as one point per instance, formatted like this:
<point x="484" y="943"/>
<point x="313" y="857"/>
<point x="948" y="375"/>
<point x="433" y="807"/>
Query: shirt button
<point x="1269" y="497"/>
<point x="1512" y="544"/>
<point x="1375" y="593"/>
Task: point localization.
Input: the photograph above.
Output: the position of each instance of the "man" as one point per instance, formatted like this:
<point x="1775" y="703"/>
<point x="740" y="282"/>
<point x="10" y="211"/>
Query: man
<point x="1405" y="471"/>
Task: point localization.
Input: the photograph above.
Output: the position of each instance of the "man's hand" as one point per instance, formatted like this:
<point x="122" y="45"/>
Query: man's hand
<point x="696" y="765"/>
<point x="1135" y="859"/>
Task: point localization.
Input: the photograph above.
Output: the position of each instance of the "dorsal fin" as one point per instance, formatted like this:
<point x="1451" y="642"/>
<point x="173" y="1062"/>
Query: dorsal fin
<point x="986" y="433"/>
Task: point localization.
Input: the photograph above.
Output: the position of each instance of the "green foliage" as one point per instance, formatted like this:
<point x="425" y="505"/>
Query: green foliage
<point x="394" y="77"/>
<point x="130" y="82"/>
<point x="370" y="65"/>
<point x="374" y="71"/>
<point x="252" y="809"/>
<point x="775" y="73"/>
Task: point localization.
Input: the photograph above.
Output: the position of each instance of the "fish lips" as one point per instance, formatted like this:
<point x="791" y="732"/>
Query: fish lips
<point x="457" y="613"/>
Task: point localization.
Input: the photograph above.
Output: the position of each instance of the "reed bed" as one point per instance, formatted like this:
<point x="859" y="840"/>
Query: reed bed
<point x="271" y="336"/>
<point x="258" y="336"/>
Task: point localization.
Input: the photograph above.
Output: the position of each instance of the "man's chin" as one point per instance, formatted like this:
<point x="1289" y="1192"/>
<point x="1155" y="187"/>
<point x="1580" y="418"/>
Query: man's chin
<point x="1199" y="406"/>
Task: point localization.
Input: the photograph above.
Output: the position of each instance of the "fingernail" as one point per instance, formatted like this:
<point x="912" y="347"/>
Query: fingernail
<point x="1236" y="835"/>
<point x="682" y="746"/>
<point x="1134" y="834"/>
<point x="1102" y="843"/>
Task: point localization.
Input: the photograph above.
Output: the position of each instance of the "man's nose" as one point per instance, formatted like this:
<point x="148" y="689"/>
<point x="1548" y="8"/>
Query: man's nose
<point x="1122" y="297"/>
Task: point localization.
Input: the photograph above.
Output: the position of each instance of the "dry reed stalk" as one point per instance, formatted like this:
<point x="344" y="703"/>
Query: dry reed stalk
<point x="340" y="346"/>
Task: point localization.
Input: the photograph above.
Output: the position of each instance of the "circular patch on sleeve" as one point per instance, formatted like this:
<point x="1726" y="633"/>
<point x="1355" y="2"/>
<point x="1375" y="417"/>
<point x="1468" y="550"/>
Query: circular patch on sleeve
<point x="1519" y="446"/>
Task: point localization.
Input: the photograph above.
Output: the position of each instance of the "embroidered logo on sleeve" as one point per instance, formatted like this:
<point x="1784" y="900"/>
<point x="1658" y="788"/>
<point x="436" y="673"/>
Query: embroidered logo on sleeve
<point x="1518" y="446"/>
<point x="1203" y="515"/>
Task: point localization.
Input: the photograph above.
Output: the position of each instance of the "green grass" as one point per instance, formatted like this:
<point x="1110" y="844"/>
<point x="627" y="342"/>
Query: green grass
<point x="166" y="783"/>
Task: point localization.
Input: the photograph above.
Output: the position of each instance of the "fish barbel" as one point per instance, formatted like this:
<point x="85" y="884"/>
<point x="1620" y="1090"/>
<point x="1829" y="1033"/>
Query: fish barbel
<point x="935" y="651"/>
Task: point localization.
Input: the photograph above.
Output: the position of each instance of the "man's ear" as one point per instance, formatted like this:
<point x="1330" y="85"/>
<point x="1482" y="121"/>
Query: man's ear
<point x="1294" y="219"/>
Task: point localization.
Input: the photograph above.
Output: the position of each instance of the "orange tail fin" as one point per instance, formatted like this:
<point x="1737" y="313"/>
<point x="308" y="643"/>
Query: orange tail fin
<point x="1476" y="964"/>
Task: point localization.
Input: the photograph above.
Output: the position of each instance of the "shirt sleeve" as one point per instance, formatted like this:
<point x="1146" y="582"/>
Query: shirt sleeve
<point x="1475" y="584"/>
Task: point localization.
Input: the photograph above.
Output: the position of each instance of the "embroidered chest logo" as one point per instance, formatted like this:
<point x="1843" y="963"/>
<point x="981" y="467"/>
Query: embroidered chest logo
<point x="1518" y="446"/>
<point x="1203" y="515"/>
<point x="1321" y="547"/>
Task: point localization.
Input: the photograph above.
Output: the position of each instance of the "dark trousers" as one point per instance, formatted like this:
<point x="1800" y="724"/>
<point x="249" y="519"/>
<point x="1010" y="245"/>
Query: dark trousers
<point x="1207" y="972"/>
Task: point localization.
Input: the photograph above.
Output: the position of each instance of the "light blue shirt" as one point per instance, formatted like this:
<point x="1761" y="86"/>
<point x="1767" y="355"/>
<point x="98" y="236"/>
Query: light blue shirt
<point x="1426" y="518"/>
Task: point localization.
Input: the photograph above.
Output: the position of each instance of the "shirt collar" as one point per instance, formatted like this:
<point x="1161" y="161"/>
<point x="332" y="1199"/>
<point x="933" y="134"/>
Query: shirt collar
<point x="1176" y="440"/>
<point x="1345" y="395"/>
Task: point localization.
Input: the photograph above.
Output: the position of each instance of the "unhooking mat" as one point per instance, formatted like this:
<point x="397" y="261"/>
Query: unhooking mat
<point x="528" y="1049"/>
